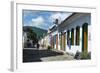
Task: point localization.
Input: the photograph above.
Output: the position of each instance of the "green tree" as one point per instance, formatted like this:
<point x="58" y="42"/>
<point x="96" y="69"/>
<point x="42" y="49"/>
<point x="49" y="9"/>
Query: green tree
<point x="31" y="34"/>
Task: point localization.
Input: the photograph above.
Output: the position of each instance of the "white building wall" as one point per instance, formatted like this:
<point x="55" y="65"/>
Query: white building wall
<point x="86" y="18"/>
<point x="89" y="39"/>
<point x="58" y="41"/>
<point x="53" y="34"/>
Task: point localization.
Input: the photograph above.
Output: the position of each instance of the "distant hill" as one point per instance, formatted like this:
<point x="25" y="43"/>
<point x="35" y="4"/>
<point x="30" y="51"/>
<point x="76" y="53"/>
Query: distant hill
<point x="40" y="32"/>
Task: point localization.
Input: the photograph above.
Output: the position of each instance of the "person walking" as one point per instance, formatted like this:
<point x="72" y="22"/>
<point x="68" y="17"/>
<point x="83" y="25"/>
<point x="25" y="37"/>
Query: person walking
<point x="38" y="45"/>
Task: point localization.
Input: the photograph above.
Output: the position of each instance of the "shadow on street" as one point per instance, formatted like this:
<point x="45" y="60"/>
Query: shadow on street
<point x="31" y="55"/>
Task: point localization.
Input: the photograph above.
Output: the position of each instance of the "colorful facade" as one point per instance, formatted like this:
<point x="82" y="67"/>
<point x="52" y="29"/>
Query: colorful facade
<point x="73" y="34"/>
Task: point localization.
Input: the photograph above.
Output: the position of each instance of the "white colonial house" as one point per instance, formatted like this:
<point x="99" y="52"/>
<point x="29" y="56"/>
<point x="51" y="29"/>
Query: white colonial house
<point x="75" y="29"/>
<point x="24" y="39"/>
<point x="44" y="42"/>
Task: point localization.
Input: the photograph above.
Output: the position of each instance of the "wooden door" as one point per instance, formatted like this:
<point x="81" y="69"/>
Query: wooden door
<point x="57" y="41"/>
<point x="64" y="41"/>
<point x="85" y="38"/>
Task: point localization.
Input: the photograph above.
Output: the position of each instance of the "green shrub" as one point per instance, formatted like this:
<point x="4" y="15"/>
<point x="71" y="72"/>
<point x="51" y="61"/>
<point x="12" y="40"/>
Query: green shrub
<point x="86" y="55"/>
<point x="49" y="47"/>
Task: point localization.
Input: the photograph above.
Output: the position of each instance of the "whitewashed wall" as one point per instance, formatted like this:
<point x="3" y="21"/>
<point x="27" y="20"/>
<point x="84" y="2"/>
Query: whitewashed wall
<point x="84" y="18"/>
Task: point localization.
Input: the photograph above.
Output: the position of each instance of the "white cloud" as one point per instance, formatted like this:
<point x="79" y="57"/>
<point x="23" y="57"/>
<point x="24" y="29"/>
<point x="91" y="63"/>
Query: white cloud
<point x="43" y="23"/>
<point x="37" y="21"/>
<point x="60" y="16"/>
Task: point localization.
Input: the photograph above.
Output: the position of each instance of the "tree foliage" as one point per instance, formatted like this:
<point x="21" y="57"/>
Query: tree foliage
<point x="31" y="34"/>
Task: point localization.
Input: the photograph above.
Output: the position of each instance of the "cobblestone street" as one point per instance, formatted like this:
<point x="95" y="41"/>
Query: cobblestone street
<point x="34" y="55"/>
<point x="58" y="58"/>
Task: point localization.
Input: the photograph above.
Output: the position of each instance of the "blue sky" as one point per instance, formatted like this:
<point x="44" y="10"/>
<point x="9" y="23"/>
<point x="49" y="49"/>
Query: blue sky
<point x="42" y="19"/>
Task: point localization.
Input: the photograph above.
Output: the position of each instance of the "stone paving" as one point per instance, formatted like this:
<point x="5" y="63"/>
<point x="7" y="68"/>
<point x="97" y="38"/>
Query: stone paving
<point x="34" y="55"/>
<point x="58" y="58"/>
